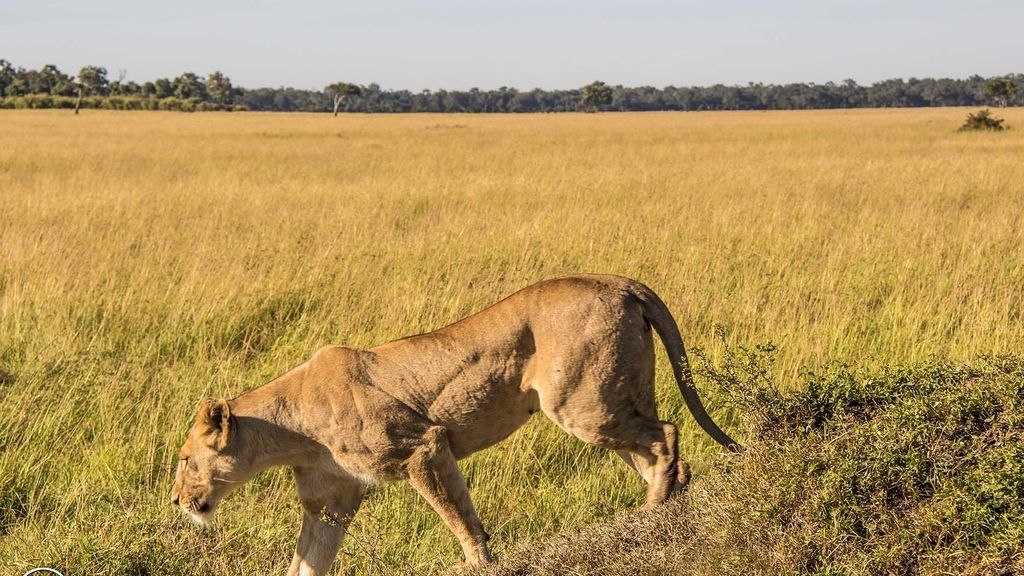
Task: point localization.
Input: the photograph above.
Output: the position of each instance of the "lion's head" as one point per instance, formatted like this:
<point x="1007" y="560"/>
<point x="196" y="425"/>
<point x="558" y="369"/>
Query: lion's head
<point x="208" y="466"/>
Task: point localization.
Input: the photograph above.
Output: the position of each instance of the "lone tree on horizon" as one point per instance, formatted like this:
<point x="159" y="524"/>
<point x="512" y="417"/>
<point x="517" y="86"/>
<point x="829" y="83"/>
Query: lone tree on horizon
<point x="92" y="80"/>
<point x="341" y="91"/>
<point x="596" y="94"/>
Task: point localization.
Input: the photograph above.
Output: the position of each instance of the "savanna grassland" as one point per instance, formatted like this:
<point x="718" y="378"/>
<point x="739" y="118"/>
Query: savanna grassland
<point x="150" y="260"/>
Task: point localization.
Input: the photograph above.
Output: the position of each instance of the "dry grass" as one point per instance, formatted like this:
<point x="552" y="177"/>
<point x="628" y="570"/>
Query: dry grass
<point x="148" y="260"/>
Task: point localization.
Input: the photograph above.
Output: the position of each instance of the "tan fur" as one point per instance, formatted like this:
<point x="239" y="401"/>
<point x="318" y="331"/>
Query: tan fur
<point x="578" y="349"/>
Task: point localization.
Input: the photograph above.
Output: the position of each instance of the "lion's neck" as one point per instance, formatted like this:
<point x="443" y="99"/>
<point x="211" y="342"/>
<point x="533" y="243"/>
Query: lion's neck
<point x="268" y="433"/>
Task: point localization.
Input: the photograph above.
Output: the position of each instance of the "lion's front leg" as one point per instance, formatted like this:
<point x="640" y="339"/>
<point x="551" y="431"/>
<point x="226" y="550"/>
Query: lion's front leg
<point x="434" y="473"/>
<point x="328" y="503"/>
<point x="318" y="545"/>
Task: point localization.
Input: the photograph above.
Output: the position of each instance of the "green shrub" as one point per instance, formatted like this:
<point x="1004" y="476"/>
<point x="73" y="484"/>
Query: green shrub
<point x="909" y="470"/>
<point x="982" y="120"/>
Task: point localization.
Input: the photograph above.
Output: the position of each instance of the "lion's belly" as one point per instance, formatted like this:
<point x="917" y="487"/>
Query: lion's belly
<point x="477" y="421"/>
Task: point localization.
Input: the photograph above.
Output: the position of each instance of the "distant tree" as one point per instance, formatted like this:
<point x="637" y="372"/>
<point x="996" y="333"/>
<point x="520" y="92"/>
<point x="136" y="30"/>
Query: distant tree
<point x="1002" y="90"/>
<point x="6" y="76"/>
<point x="67" y="86"/>
<point x="596" y="94"/>
<point x="50" y="80"/>
<point x="122" y="88"/>
<point x="341" y="91"/>
<point x="20" y="82"/>
<point x="219" y="88"/>
<point x="163" y="88"/>
<point x="93" y="80"/>
<point x="188" y="85"/>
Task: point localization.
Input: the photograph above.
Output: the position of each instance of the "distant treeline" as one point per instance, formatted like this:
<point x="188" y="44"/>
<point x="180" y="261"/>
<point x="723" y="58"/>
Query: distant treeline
<point x="48" y="87"/>
<point x="926" y="92"/>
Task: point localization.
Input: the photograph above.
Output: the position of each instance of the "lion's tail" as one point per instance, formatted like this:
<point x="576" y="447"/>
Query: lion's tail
<point x="659" y="316"/>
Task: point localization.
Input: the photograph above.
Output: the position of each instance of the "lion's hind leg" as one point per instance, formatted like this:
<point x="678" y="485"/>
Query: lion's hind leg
<point x="649" y="445"/>
<point x="652" y="464"/>
<point x="653" y="455"/>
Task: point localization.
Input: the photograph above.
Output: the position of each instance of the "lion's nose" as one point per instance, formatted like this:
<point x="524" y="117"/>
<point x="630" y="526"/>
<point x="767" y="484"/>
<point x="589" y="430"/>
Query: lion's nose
<point x="174" y="498"/>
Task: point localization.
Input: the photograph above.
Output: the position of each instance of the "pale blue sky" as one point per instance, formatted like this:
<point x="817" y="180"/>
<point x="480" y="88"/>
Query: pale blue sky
<point x="459" y="44"/>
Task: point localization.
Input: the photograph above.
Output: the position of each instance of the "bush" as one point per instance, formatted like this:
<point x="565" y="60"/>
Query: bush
<point x="910" y="470"/>
<point x="982" y="120"/>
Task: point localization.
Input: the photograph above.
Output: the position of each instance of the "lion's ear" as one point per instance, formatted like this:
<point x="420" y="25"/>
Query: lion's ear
<point x="214" y="422"/>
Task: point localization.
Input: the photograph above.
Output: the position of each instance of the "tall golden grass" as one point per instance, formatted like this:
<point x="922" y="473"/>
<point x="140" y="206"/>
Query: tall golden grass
<point x="149" y="260"/>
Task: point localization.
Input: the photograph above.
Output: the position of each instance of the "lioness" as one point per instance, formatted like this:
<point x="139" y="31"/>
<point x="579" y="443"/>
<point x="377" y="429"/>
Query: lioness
<point x="578" y="349"/>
